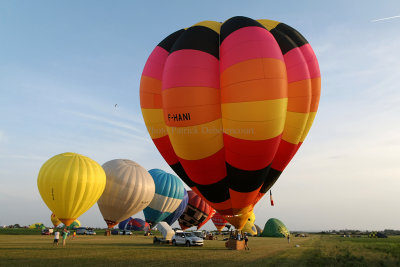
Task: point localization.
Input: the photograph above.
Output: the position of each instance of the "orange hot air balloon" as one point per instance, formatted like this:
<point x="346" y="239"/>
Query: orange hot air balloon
<point x="228" y="105"/>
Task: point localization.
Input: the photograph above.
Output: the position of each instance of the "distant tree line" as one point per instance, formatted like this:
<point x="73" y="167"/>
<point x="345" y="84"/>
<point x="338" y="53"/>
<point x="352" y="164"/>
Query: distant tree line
<point x="359" y="232"/>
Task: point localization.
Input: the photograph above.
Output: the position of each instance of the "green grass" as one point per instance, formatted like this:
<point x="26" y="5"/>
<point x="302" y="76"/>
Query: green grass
<point x="317" y="250"/>
<point x="20" y="231"/>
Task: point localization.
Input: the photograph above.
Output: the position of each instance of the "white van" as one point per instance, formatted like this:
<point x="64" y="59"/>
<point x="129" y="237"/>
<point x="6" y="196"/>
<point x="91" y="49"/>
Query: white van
<point x="186" y="238"/>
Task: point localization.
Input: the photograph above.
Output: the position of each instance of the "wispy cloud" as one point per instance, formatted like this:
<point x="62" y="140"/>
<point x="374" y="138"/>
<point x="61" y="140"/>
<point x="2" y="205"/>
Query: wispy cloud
<point x="108" y="121"/>
<point x="387" y="18"/>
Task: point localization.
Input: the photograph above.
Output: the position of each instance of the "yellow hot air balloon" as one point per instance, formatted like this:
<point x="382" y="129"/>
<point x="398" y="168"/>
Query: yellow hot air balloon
<point x="250" y="227"/>
<point x="70" y="184"/>
<point x="56" y="222"/>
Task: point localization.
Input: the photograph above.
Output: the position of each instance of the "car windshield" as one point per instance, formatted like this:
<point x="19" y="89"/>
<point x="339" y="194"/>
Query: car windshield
<point x="188" y="234"/>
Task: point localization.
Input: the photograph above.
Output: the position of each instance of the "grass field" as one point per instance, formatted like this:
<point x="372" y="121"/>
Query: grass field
<point x="316" y="250"/>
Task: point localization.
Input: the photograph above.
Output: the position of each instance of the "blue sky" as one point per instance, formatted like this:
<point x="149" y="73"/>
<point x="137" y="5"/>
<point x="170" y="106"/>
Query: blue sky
<point x="65" y="64"/>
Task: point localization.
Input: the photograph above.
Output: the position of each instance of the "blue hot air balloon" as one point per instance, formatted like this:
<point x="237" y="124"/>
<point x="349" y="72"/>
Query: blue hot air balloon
<point x="178" y="212"/>
<point x="136" y="224"/>
<point x="167" y="198"/>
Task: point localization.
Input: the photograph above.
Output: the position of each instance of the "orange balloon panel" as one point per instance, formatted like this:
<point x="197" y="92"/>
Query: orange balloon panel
<point x="228" y="105"/>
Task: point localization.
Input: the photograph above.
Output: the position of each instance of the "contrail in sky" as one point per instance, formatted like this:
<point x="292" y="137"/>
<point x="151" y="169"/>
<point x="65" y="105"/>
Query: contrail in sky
<point x="394" y="17"/>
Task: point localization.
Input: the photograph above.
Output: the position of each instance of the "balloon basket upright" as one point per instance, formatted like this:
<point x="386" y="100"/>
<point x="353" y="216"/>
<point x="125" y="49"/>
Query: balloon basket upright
<point x="234" y="244"/>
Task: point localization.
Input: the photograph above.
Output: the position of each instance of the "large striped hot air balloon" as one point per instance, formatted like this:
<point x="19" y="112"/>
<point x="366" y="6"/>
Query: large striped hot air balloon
<point x="129" y="189"/>
<point x="168" y="196"/>
<point x="197" y="211"/>
<point x="178" y="212"/>
<point x="228" y="105"/>
<point x="219" y="221"/>
<point x="70" y="184"/>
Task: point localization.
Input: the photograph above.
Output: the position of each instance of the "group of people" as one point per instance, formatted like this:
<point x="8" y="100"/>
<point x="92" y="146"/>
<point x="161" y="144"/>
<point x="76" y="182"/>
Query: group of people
<point x="65" y="234"/>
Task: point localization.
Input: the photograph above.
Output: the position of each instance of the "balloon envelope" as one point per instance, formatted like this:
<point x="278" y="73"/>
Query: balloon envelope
<point x="196" y="212"/>
<point x="168" y="196"/>
<point x="37" y="226"/>
<point x="178" y="212"/>
<point x="129" y="189"/>
<point x="54" y="220"/>
<point x="275" y="228"/>
<point x="75" y="224"/>
<point x="210" y="215"/>
<point x="70" y="184"/>
<point x="259" y="230"/>
<point x="228" y="105"/>
<point x="219" y="221"/>
<point x="134" y="225"/>
<point x="250" y="227"/>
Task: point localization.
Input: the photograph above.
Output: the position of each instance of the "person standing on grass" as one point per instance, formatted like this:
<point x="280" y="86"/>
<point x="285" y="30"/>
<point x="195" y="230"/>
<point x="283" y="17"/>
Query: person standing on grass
<point x="288" y="238"/>
<point x="73" y="234"/>
<point x="56" y="238"/>
<point x="246" y="240"/>
<point x="65" y="235"/>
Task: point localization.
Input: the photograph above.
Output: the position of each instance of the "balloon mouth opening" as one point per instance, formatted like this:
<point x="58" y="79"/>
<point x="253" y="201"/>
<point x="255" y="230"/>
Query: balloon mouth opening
<point x="67" y="222"/>
<point x="111" y="224"/>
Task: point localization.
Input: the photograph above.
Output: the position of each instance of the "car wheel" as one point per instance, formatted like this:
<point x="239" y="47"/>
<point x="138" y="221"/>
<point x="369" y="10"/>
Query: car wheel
<point x="187" y="243"/>
<point x="174" y="242"/>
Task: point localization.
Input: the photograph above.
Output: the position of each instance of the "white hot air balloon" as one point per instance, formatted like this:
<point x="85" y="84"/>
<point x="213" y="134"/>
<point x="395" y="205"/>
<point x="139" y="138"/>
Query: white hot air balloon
<point x="129" y="189"/>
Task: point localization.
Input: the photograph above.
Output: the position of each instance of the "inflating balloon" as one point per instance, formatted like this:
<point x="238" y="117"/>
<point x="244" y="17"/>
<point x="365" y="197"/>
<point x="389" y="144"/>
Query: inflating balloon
<point x="219" y="221"/>
<point x="259" y="230"/>
<point x="70" y="184"/>
<point x="54" y="220"/>
<point x="37" y="226"/>
<point x="178" y="212"/>
<point x="129" y="189"/>
<point x="196" y="212"/>
<point x="168" y="196"/>
<point x="134" y="225"/>
<point x="228" y="105"/>
<point x="75" y="224"/>
<point x="250" y="227"/>
<point x="275" y="228"/>
<point x="210" y="215"/>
